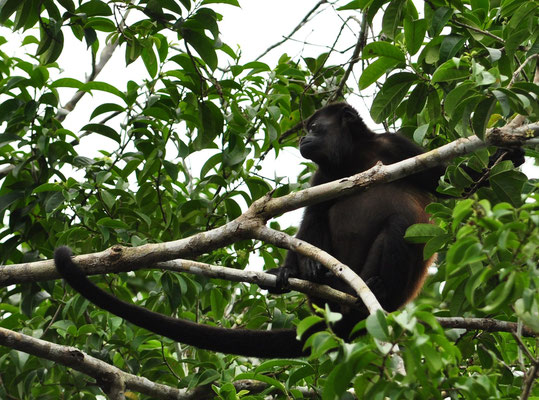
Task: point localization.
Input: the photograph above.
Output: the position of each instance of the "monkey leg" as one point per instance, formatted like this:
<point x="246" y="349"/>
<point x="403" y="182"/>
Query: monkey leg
<point x="394" y="268"/>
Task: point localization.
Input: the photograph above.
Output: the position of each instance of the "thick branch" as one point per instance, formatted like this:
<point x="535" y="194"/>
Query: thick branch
<point x="118" y="258"/>
<point x="107" y="376"/>
<point x="113" y="380"/>
<point x="335" y="266"/>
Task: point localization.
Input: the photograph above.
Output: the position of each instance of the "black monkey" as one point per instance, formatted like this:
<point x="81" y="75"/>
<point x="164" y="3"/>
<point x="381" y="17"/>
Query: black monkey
<point x="364" y="231"/>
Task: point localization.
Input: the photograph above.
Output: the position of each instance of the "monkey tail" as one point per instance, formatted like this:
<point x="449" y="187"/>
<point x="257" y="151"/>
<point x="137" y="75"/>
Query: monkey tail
<point x="278" y="343"/>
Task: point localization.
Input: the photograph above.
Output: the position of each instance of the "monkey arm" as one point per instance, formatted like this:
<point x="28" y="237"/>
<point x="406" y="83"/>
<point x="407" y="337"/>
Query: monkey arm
<point x="314" y="229"/>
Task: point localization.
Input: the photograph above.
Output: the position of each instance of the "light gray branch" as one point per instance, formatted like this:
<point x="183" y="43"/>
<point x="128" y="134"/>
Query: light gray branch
<point x="483" y="324"/>
<point x="107" y="376"/>
<point x="112" y="380"/>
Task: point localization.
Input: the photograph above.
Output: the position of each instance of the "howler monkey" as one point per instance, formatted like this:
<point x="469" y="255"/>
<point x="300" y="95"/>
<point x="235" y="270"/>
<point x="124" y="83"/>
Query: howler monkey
<point x="364" y="230"/>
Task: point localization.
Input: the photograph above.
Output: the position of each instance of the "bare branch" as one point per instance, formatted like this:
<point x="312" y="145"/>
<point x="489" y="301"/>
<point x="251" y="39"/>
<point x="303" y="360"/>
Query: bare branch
<point x="520" y="68"/>
<point x="297" y="28"/>
<point x="107" y="376"/>
<point x="112" y="380"/>
<point x="5" y="170"/>
<point x="483" y="324"/>
<point x="361" y="41"/>
<point x="118" y="258"/>
<point x="259" y="278"/>
<point x="335" y="266"/>
<point x="482" y="32"/>
<point x="106" y="54"/>
<point x="532" y="373"/>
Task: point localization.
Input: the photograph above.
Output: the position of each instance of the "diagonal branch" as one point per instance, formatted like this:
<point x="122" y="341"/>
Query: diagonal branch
<point x="297" y="28"/>
<point x="120" y="258"/>
<point x="106" y="375"/>
<point x="106" y="55"/>
<point x="113" y="380"/>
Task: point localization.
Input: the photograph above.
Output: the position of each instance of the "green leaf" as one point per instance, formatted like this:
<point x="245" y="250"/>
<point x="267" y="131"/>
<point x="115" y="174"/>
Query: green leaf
<point x="53" y="202"/>
<point x="218" y="303"/>
<point x="7" y="199"/>
<point x="522" y="13"/>
<point x="414" y="33"/>
<point x="53" y="47"/>
<point x="104" y="87"/>
<point x="498" y="297"/>
<point x="234" y="3"/>
<point x="420" y="233"/>
<point x="103" y="130"/>
<point x="150" y="61"/>
<point x="94" y="7"/>
<point x="508" y="185"/>
<point x="377" y="326"/>
<point x="7" y="8"/>
<point x="112" y="223"/>
<point x="433" y="358"/>
<point x="355" y="5"/>
<point x="306" y="323"/>
<point x="416" y="100"/>
<point x="392" y="17"/>
<point x="48" y="187"/>
<point x="420" y="132"/>
<point x="435" y="244"/>
<point x="203" y="46"/>
<point x="449" y="71"/>
<point x="440" y="19"/>
<point x="100" y="24"/>
<point x="105" y="108"/>
<point x="392" y="93"/>
<point x="262" y="378"/>
<point x="383" y="49"/>
<point x="450" y="46"/>
<point x="67" y="82"/>
<point x="482" y="115"/>
<point x="375" y="71"/>
<point x="461" y="210"/>
<point x="212" y="123"/>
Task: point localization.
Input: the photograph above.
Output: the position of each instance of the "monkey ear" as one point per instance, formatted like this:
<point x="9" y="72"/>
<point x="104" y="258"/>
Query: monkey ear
<point x="350" y="115"/>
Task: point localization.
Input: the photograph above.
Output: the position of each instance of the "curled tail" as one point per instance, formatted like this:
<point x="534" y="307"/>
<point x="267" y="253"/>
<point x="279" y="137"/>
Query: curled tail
<point x="253" y="343"/>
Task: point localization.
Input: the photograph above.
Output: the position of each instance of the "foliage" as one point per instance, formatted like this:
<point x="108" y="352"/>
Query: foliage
<point x="440" y="70"/>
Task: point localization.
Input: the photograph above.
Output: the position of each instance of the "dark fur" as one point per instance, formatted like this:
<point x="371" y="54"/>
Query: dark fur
<point x="364" y="231"/>
<point x="275" y="343"/>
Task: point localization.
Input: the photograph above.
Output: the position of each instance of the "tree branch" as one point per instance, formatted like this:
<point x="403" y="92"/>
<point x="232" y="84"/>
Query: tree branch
<point x="107" y="376"/>
<point x="112" y="380"/>
<point x="118" y="258"/>
<point x="483" y="324"/>
<point x="482" y="32"/>
<point x="106" y="55"/>
<point x="297" y="28"/>
<point x="361" y="41"/>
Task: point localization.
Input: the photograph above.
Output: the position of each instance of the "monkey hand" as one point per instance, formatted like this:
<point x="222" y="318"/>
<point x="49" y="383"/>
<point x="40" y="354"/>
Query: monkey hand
<point x="312" y="270"/>
<point x="281" y="284"/>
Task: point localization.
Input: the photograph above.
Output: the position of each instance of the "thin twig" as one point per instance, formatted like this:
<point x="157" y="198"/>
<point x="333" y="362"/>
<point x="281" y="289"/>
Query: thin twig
<point x="520" y="68"/>
<point x="473" y="28"/>
<point x="297" y="28"/>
